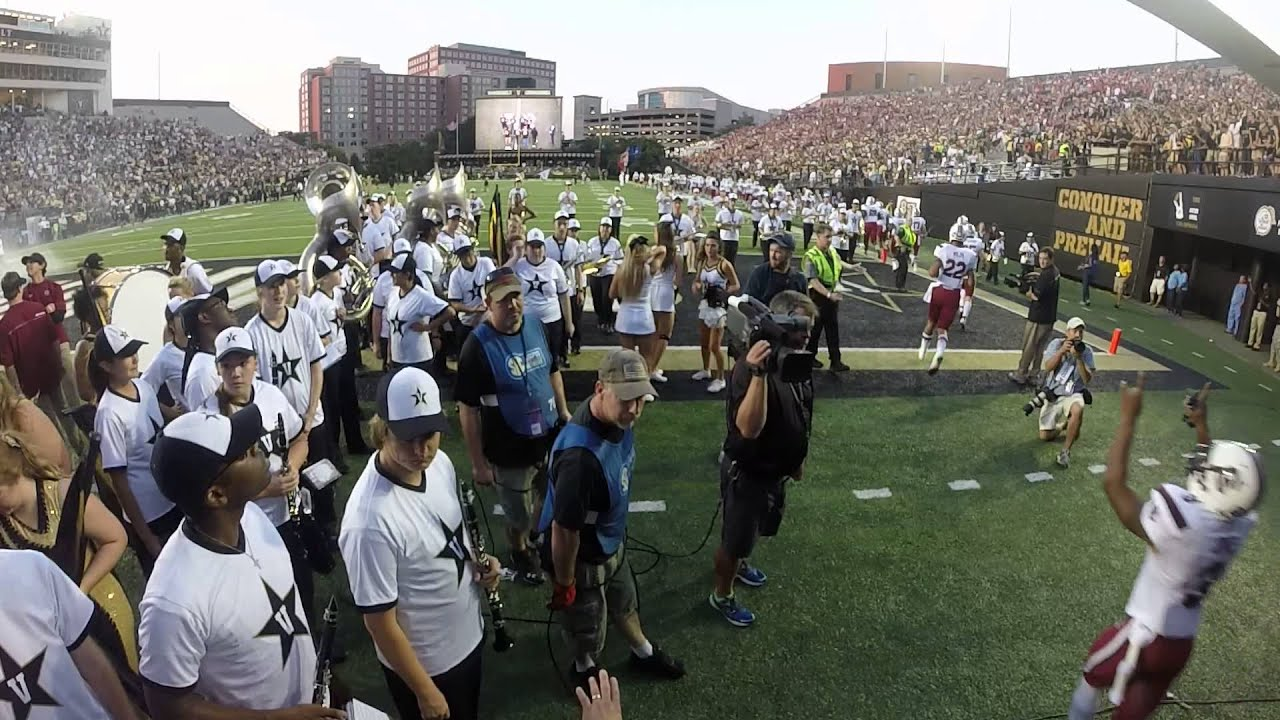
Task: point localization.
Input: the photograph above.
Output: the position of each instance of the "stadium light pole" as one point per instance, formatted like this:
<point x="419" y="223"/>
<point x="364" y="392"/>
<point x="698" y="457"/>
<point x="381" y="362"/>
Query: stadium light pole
<point x="884" y="67"/>
<point x="1008" y="48"/>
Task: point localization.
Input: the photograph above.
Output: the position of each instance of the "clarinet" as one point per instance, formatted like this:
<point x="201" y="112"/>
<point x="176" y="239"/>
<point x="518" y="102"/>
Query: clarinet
<point x="501" y="640"/>
<point x="280" y="447"/>
<point x="321" y="694"/>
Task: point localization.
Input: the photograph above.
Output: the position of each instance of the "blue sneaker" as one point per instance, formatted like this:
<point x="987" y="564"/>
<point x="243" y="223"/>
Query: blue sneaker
<point x="735" y="614"/>
<point x="751" y="576"/>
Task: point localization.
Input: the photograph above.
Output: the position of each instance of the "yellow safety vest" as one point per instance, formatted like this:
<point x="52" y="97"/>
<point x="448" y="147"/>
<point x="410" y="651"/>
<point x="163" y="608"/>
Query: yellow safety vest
<point x="827" y="264"/>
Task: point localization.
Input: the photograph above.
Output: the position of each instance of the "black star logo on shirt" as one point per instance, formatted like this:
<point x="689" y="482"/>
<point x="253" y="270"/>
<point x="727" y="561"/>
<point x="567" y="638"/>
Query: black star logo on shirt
<point x="284" y="369"/>
<point x="537" y="283"/>
<point x="453" y="548"/>
<point x="20" y="685"/>
<point x="156" y="427"/>
<point x="284" y="623"/>
<point x="397" y="325"/>
<point x="475" y="292"/>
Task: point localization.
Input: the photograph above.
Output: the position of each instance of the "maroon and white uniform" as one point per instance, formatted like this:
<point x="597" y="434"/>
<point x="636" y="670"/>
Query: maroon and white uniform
<point x="1191" y="549"/>
<point x="944" y="296"/>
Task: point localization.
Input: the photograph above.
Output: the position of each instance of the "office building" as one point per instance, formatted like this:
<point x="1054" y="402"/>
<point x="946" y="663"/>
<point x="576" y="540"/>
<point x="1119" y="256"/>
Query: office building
<point x="485" y="68"/>
<point x="62" y="65"/>
<point x="862" y="77"/>
<point x="353" y="105"/>
<point x="727" y="113"/>
<point x="671" y="127"/>
<point x="584" y="106"/>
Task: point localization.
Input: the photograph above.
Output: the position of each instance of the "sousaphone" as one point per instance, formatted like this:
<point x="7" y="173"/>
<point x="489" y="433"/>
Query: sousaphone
<point x="433" y="200"/>
<point x="332" y="192"/>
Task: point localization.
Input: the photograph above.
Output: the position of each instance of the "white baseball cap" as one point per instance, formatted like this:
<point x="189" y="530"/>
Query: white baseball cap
<point x="606" y="221"/>
<point x="232" y="340"/>
<point x="454" y="212"/>
<point x="113" y="343"/>
<point x="409" y="403"/>
<point x="666" y="218"/>
<point x="401" y="245"/>
<point x="324" y="265"/>
<point x="288" y="268"/>
<point x="1074" y="323"/>
<point x="535" y="236"/>
<point x="268" y="272"/>
<point x="176" y="235"/>
<point x="562" y="215"/>
<point x="574" y="224"/>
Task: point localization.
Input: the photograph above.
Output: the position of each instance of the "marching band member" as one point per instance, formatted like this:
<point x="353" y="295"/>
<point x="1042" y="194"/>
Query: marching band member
<point x="566" y="251"/>
<point x="757" y="207"/>
<point x="411" y="562"/>
<point x="569" y="200"/>
<point x="427" y="253"/>
<point x="546" y="291"/>
<point x="231" y="636"/>
<point x="47" y="620"/>
<point x="517" y="195"/>
<point x="604" y="245"/>
<point x="451" y="236"/>
<point x="414" y="314"/>
<point x="203" y="317"/>
<point x="164" y="374"/>
<point x="466" y="289"/>
<point x="617" y="204"/>
<point x="128" y="421"/>
<point x="682" y="228"/>
<point x="289" y="355"/>
<point x="578" y="284"/>
<point x="177" y="262"/>
<point x="240" y="387"/>
<point x="378" y="233"/>
<point x="729" y="221"/>
<point x="337" y="397"/>
<point x="475" y="206"/>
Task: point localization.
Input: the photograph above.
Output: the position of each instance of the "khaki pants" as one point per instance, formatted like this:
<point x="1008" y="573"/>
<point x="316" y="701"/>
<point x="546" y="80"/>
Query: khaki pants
<point x="1274" y="361"/>
<point x="1118" y="286"/>
<point x="1035" y="338"/>
<point x="1257" y="327"/>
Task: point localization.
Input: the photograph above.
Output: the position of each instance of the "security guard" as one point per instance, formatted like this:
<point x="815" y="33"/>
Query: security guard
<point x="585" y="518"/>
<point x="822" y="267"/>
<point x="905" y="248"/>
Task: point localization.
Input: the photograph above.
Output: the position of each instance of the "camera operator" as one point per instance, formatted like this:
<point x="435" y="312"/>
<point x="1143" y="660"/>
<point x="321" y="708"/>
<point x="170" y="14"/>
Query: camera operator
<point x="1041" y="288"/>
<point x="1068" y="361"/>
<point x="769" y="420"/>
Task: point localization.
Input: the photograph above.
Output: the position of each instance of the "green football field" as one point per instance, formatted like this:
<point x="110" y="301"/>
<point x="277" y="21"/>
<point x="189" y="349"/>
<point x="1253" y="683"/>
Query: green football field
<point x="925" y="603"/>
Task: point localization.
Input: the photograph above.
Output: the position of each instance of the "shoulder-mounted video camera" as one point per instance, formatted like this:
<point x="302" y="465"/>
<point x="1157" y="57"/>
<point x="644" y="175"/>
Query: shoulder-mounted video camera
<point x="1024" y="282"/>
<point x="750" y="321"/>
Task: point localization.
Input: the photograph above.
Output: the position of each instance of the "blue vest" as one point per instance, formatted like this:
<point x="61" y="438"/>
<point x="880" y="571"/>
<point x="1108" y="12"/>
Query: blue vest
<point x="521" y="367"/>
<point x="618" y="460"/>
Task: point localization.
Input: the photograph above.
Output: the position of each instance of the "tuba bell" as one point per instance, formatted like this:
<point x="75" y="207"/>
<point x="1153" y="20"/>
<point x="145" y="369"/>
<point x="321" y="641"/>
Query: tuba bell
<point x="332" y="193"/>
<point x="432" y="200"/>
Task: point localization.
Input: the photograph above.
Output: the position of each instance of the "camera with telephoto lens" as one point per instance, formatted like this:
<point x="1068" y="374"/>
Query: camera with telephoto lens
<point x="1037" y="401"/>
<point x="1023" y="282"/>
<point x="750" y="322"/>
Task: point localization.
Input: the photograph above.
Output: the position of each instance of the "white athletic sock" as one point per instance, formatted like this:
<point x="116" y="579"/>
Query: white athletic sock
<point x="643" y="651"/>
<point x="942" y="346"/>
<point x="1084" y="701"/>
<point x="924" y="342"/>
<point x="964" y="313"/>
<point x="583" y="665"/>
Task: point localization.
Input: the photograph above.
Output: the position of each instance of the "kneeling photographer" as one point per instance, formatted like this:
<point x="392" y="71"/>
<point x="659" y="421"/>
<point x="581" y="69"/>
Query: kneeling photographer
<point x="769" y="416"/>
<point x="1068" y="362"/>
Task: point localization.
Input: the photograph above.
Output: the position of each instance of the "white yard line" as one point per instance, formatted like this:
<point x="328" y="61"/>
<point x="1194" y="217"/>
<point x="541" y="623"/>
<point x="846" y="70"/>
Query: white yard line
<point x="1037" y="477"/>
<point x="873" y="494"/>
<point x="959" y="485"/>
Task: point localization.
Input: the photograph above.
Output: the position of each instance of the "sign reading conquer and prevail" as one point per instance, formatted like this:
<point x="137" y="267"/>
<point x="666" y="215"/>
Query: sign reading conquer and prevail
<point x="1085" y="217"/>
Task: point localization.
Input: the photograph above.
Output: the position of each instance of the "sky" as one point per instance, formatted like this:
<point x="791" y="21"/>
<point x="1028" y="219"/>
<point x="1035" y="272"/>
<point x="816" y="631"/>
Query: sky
<point x="253" y="53"/>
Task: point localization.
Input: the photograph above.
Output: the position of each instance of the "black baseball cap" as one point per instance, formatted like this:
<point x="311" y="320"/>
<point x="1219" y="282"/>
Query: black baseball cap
<point x="193" y="450"/>
<point x="190" y="310"/>
<point x="93" y="261"/>
<point x="35" y="257"/>
<point x="783" y="240"/>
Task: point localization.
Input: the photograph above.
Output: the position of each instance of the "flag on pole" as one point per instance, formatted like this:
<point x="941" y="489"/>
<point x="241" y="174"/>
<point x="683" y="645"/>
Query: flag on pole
<point x="497" y="241"/>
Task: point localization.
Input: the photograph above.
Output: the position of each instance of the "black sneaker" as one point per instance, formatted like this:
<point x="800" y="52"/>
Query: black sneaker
<point x="659" y="665"/>
<point x="525" y="566"/>
<point x="817" y="364"/>
<point x="581" y="678"/>
<point x="838" y="366"/>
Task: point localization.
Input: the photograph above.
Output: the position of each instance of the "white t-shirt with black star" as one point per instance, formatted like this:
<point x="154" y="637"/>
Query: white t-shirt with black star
<point x="165" y="370"/>
<point x="234" y="630"/>
<point x="202" y="380"/>
<point x="407" y="548"/>
<point x="322" y="326"/>
<point x="273" y="406"/>
<point x="467" y="287"/>
<point x="325" y="313"/>
<point x="407" y="345"/>
<point x="285" y="356"/>
<point x="194" y="272"/>
<point x="569" y="256"/>
<point x="43" y="618"/>
<point x="128" y="429"/>
<point x="383" y="288"/>
<point x="543" y="284"/>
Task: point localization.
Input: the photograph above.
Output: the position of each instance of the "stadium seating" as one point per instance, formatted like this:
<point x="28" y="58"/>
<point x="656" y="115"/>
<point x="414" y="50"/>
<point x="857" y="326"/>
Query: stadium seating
<point x="1186" y="117"/>
<point x="100" y="170"/>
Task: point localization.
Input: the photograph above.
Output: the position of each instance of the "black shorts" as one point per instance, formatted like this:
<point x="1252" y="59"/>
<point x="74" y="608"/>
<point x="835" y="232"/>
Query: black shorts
<point x="752" y="509"/>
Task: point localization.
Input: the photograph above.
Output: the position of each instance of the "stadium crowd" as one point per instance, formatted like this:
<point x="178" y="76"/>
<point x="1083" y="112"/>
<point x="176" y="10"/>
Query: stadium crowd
<point x="90" y="171"/>
<point x="1187" y="117"/>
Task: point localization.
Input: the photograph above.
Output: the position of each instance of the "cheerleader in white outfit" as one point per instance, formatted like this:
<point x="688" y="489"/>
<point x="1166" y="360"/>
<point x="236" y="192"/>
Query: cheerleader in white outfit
<point x="713" y="271"/>
<point x="632" y="287"/>
<point x="662" y="295"/>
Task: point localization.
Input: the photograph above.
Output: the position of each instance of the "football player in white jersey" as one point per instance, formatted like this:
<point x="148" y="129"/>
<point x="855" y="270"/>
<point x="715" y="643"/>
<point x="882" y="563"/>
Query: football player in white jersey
<point x="1193" y="533"/>
<point x="974" y="244"/>
<point x="953" y="265"/>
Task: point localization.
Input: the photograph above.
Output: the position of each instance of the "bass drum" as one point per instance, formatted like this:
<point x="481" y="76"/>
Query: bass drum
<point x="137" y="307"/>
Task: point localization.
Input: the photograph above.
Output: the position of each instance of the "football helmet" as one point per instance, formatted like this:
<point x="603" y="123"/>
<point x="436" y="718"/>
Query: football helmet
<point x="1226" y="477"/>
